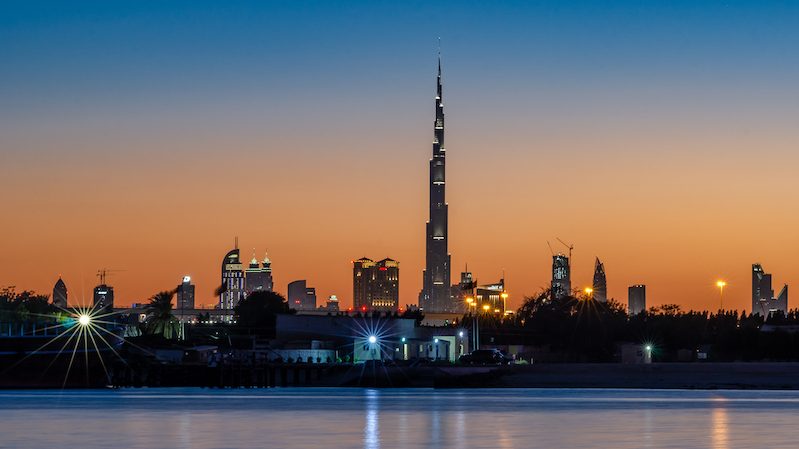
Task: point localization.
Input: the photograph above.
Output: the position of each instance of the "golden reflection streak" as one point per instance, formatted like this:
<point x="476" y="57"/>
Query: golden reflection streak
<point x="720" y="430"/>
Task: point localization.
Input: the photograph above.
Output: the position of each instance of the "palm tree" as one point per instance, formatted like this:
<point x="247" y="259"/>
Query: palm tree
<point x="160" y="320"/>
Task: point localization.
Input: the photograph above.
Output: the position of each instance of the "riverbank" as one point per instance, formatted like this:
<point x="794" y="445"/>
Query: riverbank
<point x="708" y="376"/>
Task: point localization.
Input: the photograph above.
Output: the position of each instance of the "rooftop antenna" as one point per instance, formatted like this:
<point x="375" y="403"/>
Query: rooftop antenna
<point x="550" y="248"/>
<point x="236" y="242"/>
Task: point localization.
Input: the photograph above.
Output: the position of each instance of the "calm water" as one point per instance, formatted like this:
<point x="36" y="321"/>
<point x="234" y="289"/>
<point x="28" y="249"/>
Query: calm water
<point x="371" y="419"/>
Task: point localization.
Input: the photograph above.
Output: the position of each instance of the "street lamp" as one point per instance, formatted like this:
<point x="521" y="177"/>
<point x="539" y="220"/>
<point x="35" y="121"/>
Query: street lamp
<point x="721" y="284"/>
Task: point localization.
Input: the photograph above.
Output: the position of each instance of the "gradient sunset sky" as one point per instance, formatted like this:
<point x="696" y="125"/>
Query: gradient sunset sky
<point x="660" y="136"/>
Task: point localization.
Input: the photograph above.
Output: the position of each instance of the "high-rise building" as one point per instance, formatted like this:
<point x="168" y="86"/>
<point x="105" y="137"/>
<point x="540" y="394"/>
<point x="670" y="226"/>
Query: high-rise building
<point x="362" y="274"/>
<point x="764" y="302"/>
<point x="636" y="299"/>
<point x="185" y="294"/>
<point x="60" y="294"/>
<point x="232" y="290"/>
<point x="600" y="285"/>
<point x="310" y="299"/>
<point x="300" y="296"/>
<point x="103" y="298"/>
<point x="561" y="277"/>
<point x="436" y="289"/>
<point x="375" y="285"/>
<point x="258" y="277"/>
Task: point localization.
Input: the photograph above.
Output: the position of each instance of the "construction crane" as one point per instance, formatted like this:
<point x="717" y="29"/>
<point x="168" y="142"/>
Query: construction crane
<point x="571" y="247"/>
<point x="104" y="272"/>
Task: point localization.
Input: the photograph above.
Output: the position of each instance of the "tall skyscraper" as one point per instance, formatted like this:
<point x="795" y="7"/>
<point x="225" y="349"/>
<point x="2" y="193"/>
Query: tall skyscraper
<point x="60" y="294"/>
<point x="600" y="286"/>
<point x="763" y="301"/>
<point x="258" y="277"/>
<point x="375" y="285"/>
<point x="435" y="295"/>
<point x="232" y="290"/>
<point x="185" y="294"/>
<point x="362" y="273"/>
<point x="300" y="296"/>
<point x="636" y="299"/>
<point x="561" y="277"/>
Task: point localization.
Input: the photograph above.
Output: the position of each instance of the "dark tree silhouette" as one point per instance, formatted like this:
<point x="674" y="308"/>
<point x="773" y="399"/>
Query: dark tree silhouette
<point x="160" y="320"/>
<point x="258" y="311"/>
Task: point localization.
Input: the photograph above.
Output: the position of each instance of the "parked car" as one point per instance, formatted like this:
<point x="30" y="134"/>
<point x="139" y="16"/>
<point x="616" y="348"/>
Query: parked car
<point x="486" y="357"/>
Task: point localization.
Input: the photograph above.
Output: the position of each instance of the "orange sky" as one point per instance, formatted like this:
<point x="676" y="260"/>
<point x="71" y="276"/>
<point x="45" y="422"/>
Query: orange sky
<point x="672" y="208"/>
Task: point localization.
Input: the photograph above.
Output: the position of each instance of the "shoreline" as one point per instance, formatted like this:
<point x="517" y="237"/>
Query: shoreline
<point x="661" y="376"/>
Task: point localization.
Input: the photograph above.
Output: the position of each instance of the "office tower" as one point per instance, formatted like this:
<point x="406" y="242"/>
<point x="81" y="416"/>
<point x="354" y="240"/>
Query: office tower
<point x="258" y="277"/>
<point x="636" y="299"/>
<point x="103" y="298"/>
<point x="362" y="275"/>
<point x="561" y="277"/>
<point x="490" y="298"/>
<point x="60" y="294"/>
<point x="232" y="290"/>
<point x="385" y="287"/>
<point x="185" y="294"/>
<point x="300" y="296"/>
<point x="763" y="301"/>
<point x="436" y="288"/>
<point x="600" y="285"/>
<point x="375" y="285"/>
<point x="310" y="299"/>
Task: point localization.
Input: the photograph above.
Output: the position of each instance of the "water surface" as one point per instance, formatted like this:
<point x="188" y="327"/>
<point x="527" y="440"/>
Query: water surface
<point x="354" y="418"/>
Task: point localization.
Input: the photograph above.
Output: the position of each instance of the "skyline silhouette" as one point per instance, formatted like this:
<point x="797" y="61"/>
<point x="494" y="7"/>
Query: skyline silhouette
<point x="659" y="138"/>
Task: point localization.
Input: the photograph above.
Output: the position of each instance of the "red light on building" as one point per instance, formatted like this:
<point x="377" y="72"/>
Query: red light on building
<point x="383" y="269"/>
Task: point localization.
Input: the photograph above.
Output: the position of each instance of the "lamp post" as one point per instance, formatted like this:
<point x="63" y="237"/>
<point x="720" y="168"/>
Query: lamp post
<point x="475" y="324"/>
<point x="721" y="285"/>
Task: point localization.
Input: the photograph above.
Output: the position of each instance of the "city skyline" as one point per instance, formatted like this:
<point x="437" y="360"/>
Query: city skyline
<point x="644" y="150"/>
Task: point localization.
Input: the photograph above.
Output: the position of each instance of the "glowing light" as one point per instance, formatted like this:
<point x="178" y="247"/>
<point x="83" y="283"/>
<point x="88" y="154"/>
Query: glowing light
<point x="648" y="347"/>
<point x="460" y="334"/>
<point x="721" y="284"/>
<point x="588" y="290"/>
<point x="84" y="319"/>
<point x="372" y="339"/>
<point x="402" y="339"/>
<point x="486" y="307"/>
<point x="435" y="341"/>
<point x="504" y="295"/>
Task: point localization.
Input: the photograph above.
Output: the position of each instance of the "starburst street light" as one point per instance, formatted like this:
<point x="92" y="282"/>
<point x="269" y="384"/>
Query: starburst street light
<point x="372" y="339"/>
<point x="721" y="284"/>
<point x="84" y="319"/>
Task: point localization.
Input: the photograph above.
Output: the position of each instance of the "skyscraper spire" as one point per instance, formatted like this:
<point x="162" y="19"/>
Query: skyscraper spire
<point x="435" y="295"/>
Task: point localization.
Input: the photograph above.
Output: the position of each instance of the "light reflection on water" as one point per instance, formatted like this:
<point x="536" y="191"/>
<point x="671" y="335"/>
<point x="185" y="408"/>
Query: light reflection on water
<point x="386" y="419"/>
